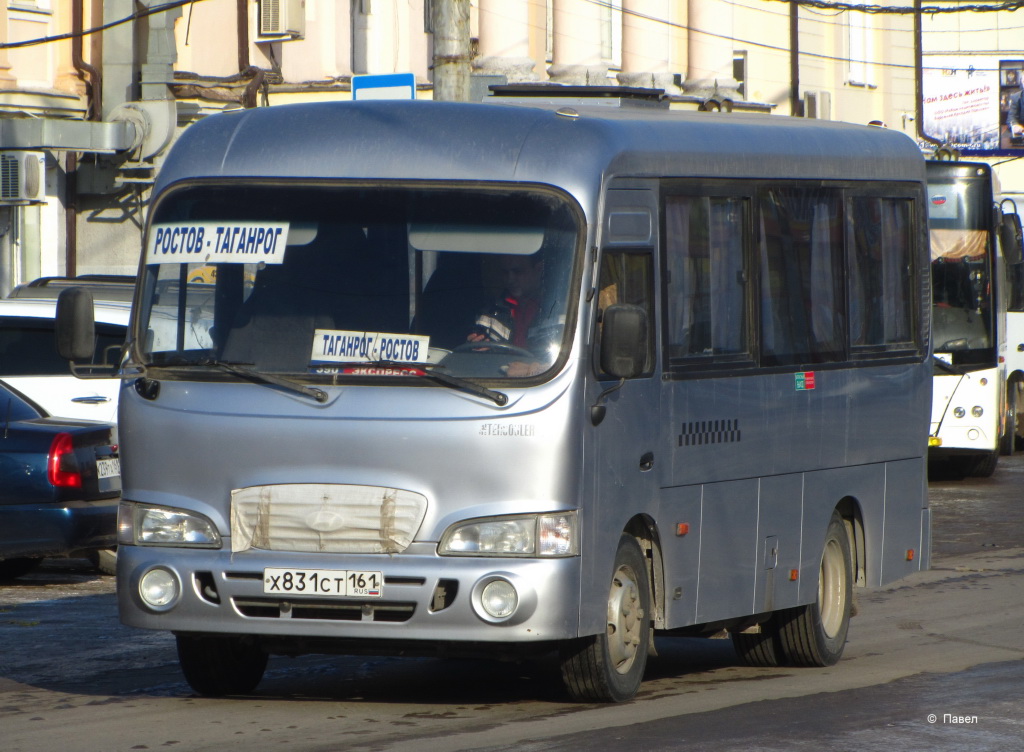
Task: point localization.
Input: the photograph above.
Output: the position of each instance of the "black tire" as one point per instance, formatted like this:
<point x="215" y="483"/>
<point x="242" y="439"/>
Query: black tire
<point x="11" y="569"/>
<point x="762" y="649"/>
<point x="608" y="667"/>
<point x="218" y="666"/>
<point x="980" y="466"/>
<point x="815" y="634"/>
<point x="104" y="560"/>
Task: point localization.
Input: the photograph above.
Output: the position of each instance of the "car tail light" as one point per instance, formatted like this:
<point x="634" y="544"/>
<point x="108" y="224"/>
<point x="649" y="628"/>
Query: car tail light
<point x="62" y="467"/>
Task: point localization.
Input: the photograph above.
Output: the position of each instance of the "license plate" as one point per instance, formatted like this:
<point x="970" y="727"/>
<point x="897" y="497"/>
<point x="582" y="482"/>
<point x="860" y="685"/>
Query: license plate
<point x="335" y="583"/>
<point x="109" y="467"/>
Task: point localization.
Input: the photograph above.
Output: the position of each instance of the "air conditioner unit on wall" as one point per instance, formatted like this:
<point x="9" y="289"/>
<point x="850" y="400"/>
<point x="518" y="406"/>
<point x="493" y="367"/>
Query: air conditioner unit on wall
<point x="283" y="18"/>
<point x="22" y="177"/>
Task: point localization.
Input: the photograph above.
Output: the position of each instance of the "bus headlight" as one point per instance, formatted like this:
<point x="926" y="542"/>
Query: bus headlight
<point x="959" y="412"/>
<point x="140" y="525"/>
<point x="537" y="535"/>
<point x="977" y="411"/>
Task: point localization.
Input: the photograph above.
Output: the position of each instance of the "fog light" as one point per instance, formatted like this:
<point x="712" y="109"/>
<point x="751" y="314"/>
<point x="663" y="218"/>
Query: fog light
<point x="499" y="599"/>
<point x="159" y="589"/>
<point x="959" y="412"/>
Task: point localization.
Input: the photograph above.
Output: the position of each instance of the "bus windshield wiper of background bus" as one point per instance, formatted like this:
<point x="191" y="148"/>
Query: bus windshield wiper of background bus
<point x="521" y="379"/>
<point x="977" y="287"/>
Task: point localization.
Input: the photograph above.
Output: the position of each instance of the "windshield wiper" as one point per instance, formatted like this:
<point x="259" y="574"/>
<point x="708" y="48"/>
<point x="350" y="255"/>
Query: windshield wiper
<point x="242" y="369"/>
<point x="499" y="398"/>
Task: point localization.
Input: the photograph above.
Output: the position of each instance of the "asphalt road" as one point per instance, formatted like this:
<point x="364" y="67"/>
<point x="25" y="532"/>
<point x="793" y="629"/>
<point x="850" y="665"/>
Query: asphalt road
<point x="933" y="663"/>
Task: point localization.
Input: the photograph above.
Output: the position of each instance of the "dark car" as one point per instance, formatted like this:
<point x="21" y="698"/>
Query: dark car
<point x="60" y="484"/>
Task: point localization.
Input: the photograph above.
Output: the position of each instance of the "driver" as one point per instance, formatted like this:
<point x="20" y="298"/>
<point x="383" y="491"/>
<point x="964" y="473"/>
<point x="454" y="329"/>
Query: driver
<point x="517" y="318"/>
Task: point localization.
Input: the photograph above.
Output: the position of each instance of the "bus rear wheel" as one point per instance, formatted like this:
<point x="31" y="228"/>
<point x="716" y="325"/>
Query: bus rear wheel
<point x="608" y="667"/>
<point x="761" y="649"/>
<point x="218" y="666"/>
<point x="815" y="634"/>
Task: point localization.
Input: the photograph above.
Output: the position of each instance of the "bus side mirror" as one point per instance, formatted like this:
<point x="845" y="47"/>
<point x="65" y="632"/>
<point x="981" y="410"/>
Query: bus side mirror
<point x="1011" y="237"/>
<point x="75" y="325"/>
<point x="624" y="340"/>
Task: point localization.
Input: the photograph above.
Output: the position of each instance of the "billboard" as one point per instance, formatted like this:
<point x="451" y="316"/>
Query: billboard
<point x="973" y="103"/>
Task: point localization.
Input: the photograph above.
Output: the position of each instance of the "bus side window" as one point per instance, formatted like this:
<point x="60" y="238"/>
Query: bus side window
<point x="881" y="243"/>
<point x="627" y="277"/>
<point x="707" y="312"/>
<point x="801" y="250"/>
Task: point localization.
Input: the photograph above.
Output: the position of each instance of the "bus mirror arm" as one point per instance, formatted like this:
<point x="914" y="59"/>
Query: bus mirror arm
<point x="598" y="410"/>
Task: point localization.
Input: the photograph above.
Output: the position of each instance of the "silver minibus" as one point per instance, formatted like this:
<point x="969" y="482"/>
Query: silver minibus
<point x="523" y="378"/>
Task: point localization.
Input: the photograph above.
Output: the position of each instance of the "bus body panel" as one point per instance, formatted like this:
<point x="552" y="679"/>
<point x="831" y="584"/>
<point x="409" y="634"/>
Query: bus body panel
<point x="259" y="437"/>
<point x="968" y="433"/>
<point x="752" y="546"/>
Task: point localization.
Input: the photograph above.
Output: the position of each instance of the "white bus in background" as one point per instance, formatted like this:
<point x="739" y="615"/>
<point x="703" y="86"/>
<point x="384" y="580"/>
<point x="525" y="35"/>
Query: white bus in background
<point x="975" y="258"/>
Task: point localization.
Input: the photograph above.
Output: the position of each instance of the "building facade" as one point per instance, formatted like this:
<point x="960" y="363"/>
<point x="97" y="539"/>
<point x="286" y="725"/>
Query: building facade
<point x="101" y="88"/>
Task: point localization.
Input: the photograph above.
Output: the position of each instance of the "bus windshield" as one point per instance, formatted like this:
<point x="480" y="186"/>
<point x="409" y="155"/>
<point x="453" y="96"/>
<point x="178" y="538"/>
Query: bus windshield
<point x="962" y="266"/>
<point x="326" y="282"/>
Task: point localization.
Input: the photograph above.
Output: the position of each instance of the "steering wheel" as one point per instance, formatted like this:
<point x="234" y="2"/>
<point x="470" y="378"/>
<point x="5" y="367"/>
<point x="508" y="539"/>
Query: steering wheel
<point x="493" y="347"/>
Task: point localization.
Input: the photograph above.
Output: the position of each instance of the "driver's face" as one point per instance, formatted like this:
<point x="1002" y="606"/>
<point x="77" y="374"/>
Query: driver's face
<point x="521" y="275"/>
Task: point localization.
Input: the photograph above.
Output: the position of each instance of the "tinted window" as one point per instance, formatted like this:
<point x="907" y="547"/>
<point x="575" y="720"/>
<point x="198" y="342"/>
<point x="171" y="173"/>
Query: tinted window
<point x="13" y="407"/>
<point x="707" y="312"/>
<point x="27" y="347"/>
<point x="881" y="253"/>
<point x="801" y="247"/>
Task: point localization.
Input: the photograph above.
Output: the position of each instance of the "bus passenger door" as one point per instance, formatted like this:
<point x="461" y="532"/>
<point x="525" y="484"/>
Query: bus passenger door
<point x="624" y="427"/>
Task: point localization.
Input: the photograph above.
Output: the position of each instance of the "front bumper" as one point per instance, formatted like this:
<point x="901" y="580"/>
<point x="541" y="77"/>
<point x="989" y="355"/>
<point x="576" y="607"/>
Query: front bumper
<point x="57" y="529"/>
<point x="425" y="597"/>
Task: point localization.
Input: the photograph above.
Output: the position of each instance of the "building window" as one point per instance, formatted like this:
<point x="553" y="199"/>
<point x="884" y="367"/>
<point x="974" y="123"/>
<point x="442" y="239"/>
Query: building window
<point x="611" y="32"/>
<point x="860" y="28"/>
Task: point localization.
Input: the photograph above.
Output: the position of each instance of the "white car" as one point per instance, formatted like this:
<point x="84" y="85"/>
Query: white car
<point x="29" y="361"/>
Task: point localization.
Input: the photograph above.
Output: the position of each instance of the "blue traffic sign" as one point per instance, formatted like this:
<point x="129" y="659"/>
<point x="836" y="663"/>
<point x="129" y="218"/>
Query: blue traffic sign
<point x="384" y="86"/>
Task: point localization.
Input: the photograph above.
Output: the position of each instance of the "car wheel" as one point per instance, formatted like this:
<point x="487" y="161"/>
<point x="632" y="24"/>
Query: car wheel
<point x="218" y="666"/>
<point x="104" y="560"/>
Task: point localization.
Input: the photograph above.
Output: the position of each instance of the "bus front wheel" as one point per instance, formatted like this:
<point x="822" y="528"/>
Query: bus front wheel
<point x="218" y="666"/>
<point x="815" y="634"/>
<point x="608" y="667"/>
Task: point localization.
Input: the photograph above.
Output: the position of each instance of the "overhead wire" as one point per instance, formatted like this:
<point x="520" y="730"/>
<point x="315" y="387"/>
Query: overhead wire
<point x="825" y="5"/>
<point x="96" y="29"/>
<point x="1010" y="5"/>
